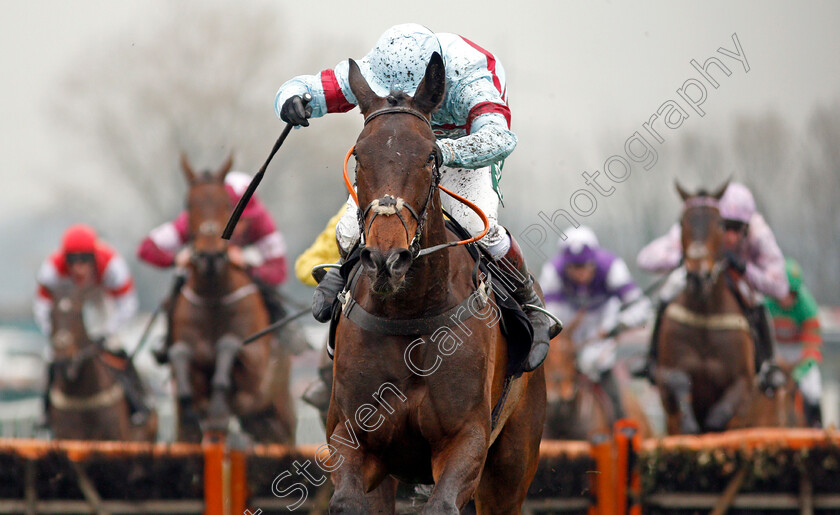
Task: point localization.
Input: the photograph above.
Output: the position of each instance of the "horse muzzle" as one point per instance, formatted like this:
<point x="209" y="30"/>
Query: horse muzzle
<point x="387" y="268"/>
<point x="210" y="264"/>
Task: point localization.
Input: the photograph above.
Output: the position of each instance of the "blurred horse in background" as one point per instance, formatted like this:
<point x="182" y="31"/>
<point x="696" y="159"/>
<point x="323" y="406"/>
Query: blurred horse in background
<point x="216" y="375"/>
<point x="87" y="399"/>
<point x="577" y="408"/>
<point x="705" y="368"/>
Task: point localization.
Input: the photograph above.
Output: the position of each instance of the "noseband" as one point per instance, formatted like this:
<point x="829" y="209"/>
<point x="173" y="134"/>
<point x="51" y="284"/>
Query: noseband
<point x="390" y="205"/>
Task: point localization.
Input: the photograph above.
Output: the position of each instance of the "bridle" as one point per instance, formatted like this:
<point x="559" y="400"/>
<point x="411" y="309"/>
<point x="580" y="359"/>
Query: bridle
<point x="389" y="205"/>
<point x="720" y="265"/>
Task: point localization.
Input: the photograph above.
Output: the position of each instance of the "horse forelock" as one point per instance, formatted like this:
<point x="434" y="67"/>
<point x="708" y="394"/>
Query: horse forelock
<point x="397" y="97"/>
<point x="700" y="221"/>
<point x="206" y="176"/>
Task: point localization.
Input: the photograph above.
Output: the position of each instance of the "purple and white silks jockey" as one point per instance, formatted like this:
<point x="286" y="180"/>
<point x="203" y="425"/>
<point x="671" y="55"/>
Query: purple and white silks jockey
<point x="601" y="302"/>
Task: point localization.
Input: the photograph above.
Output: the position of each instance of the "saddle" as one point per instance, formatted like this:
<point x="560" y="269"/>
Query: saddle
<point x="514" y="323"/>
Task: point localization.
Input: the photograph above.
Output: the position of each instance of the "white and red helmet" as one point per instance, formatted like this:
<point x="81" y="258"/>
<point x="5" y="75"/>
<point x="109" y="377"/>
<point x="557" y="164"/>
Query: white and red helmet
<point x="399" y="58"/>
<point x="737" y="203"/>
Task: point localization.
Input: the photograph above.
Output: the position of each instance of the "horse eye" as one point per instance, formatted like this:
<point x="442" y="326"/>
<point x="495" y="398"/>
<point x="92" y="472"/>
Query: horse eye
<point x="432" y="158"/>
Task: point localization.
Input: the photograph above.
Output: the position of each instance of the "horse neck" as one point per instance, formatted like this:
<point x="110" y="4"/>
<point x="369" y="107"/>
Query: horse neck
<point x="213" y="286"/>
<point x="711" y="302"/>
<point x="91" y="378"/>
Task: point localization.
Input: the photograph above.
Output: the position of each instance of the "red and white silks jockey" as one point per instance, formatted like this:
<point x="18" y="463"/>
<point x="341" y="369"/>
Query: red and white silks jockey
<point x="750" y="249"/>
<point x="84" y="260"/>
<point x="473" y="130"/>
<point x="587" y="281"/>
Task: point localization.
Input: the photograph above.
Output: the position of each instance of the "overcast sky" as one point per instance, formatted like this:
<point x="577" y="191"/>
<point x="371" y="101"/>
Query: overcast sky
<point x="578" y="72"/>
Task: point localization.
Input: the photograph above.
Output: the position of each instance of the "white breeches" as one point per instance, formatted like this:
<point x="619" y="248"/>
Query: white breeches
<point x="595" y="355"/>
<point x="474" y="185"/>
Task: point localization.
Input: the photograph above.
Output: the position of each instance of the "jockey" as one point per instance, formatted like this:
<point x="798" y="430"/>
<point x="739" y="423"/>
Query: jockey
<point x="797" y="329"/>
<point x="84" y="260"/>
<point x="590" y="282"/>
<point x="256" y="245"/>
<point x="474" y="137"/>
<point x="749" y="249"/>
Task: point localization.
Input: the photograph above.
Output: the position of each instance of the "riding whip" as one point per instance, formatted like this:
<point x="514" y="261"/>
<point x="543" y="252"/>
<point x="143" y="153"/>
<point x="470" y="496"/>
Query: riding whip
<point x="277" y="325"/>
<point x="252" y="187"/>
<point x="180" y="279"/>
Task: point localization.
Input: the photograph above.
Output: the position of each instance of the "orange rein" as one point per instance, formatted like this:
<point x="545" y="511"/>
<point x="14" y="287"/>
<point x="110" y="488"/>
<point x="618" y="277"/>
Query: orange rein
<point x="459" y="198"/>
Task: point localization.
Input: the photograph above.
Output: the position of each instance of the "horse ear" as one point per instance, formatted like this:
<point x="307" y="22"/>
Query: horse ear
<point x="225" y="168"/>
<point x="430" y="92"/>
<point x="360" y="88"/>
<point x="185" y="166"/>
<point x="683" y="194"/>
<point x="719" y="193"/>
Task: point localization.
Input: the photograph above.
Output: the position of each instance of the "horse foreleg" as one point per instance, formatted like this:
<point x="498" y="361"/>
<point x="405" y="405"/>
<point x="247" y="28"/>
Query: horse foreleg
<point x="724" y="409"/>
<point x="456" y="468"/>
<point x="180" y="356"/>
<point x="676" y="385"/>
<point x="227" y="348"/>
<point x="355" y="473"/>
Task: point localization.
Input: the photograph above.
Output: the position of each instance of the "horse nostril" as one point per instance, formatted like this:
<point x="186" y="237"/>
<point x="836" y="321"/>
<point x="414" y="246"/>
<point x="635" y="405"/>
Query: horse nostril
<point x="370" y="259"/>
<point x="398" y="262"/>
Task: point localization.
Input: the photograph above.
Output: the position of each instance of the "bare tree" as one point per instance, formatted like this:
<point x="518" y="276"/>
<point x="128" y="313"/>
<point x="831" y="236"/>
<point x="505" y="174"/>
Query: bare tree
<point x="202" y="82"/>
<point x="200" y="79"/>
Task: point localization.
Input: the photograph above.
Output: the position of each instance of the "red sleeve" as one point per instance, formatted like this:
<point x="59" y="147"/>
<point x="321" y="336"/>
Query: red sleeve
<point x="336" y="101"/>
<point x="273" y="271"/>
<point x="43" y="292"/>
<point x="260" y="225"/>
<point x="811" y="339"/>
<point x="487" y="107"/>
<point x="152" y="254"/>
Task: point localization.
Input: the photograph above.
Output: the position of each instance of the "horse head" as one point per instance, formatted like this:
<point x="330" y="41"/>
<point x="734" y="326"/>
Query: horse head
<point x="208" y="207"/>
<point x="702" y="236"/>
<point x="397" y="171"/>
<point x="69" y="337"/>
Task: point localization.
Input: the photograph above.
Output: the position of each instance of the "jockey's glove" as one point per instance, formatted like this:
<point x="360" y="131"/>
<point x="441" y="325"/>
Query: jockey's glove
<point x="735" y="262"/>
<point x="296" y="111"/>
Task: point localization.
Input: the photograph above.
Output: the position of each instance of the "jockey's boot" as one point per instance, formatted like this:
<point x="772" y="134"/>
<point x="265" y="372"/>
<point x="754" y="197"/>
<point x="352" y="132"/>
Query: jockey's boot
<point x="44" y="421"/>
<point x="132" y="385"/>
<point x="521" y="283"/>
<point x="647" y="370"/>
<point x="770" y="376"/>
<point x="813" y="414"/>
<point x="318" y="393"/>
<point x="325" y="294"/>
<point x="271" y="298"/>
<point x="179" y="280"/>
<point x="610" y="387"/>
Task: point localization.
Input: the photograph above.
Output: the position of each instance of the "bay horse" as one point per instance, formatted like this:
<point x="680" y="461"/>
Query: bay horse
<point x="573" y="410"/>
<point x="87" y="401"/>
<point x="577" y="408"/>
<point x="436" y="385"/>
<point x="705" y="367"/>
<point x="216" y="376"/>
